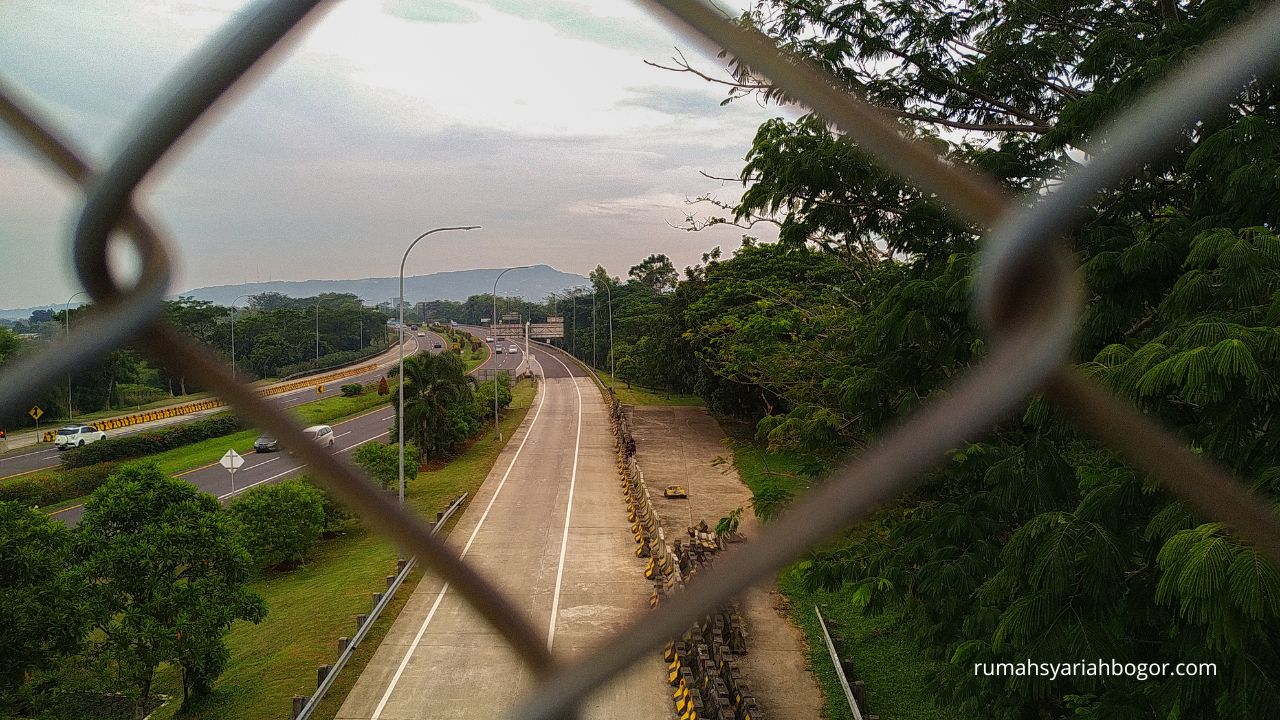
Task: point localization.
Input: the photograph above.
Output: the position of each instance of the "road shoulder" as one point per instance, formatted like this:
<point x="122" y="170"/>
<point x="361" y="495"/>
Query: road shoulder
<point x="686" y="446"/>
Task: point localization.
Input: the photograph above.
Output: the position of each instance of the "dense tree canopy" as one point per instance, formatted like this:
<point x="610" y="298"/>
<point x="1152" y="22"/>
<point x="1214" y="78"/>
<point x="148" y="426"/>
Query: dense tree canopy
<point x="166" y="571"/>
<point x="1036" y="542"/>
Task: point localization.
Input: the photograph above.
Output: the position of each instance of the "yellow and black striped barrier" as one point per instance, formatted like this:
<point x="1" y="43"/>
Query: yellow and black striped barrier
<point x="200" y="405"/>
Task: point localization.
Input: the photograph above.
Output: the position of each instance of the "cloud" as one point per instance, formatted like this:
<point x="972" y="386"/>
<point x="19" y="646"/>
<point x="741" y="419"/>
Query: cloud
<point x="584" y="22"/>
<point x="430" y="11"/>
<point x="381" y="121"/>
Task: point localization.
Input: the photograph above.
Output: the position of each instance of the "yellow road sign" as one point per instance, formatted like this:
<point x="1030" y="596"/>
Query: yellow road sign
<point x="35" y="412"/>
<point x="320" y="389"/>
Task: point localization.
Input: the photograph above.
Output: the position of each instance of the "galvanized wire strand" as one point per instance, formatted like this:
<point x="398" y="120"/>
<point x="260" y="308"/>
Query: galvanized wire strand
<point x="194" y="88"/>
<point x="175" y="351"/>
<point x="1027" y="294"/>
<point x="104" y="326"/>
<point x="991" y="390"/>
<point x="974" y="197"/>
<point x="1214" y="75"/>
<point x="370" y="502"/>
<point x="1152" y="448"/>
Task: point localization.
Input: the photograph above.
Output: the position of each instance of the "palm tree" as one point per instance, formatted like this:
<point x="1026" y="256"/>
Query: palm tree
<point x="438" y="403"/>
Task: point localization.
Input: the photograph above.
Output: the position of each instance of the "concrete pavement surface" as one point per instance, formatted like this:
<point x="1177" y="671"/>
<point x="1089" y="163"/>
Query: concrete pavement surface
<point x="681" y="446"/>
<point x="549" y="528"/>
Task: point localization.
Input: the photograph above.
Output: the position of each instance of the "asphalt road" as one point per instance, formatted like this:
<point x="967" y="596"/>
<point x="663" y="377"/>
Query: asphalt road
<point x="260" y="468"/>
<point x="46" y="456"/>
<point x="548" y="527"/>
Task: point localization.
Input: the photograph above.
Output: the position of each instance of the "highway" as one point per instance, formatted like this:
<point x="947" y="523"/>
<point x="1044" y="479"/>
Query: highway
<point x="260" y="468"/>
<point x="46" y="456"/>
<point x="549" y="527"/>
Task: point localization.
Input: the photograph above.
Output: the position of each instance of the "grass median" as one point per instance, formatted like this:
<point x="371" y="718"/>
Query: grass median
<point x="630" y="394"/>
<point x="310" y="607"/>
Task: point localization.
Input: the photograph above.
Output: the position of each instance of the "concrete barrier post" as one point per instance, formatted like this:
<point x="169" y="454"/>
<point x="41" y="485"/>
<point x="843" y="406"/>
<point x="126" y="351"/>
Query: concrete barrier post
<point x="360" y="620"/>
<point x="343" y="643"/>
<point x="322" y="672"/>
<point x="299" y="702"/>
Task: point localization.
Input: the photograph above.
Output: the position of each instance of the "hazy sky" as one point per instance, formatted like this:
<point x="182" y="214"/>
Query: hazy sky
<point x="534" y="118"/>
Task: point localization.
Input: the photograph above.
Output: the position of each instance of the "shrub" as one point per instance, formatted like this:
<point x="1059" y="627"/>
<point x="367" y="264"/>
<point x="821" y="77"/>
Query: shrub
<point x="483" y="395"/>
<point x="152" y="441"/>
<point x="353" y="390"/>
<point x="332" y="360"/>
<point x="381" y="461"/>
<point x="279" y="524"/>
<point x="49" y="487"/>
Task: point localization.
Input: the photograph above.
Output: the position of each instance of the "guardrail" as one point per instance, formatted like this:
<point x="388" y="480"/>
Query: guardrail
<point x="1026" y="296"/>
<point x="193" y="407"/>
<point x="304" y="705"/>
<point x="844" y="681"/>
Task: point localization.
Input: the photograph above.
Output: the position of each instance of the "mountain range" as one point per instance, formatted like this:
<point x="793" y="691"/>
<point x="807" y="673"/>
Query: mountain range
<point x="533" y="283"/>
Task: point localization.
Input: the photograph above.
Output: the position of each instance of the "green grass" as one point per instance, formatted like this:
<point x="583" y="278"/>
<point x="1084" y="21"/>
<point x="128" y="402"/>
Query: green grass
<point x="309" y="608"/>
<point x="636" y="395"/>
<point x="879" y="648"/>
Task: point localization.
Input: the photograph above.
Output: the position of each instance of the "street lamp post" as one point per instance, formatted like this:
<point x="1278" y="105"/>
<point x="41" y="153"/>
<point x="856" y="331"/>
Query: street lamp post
<point x="233" y="335"/>
<point x="609" y="293"/>
<point x="400" y="329"/>
<point x="66" y="317"/>
<point x="497" y="432"/>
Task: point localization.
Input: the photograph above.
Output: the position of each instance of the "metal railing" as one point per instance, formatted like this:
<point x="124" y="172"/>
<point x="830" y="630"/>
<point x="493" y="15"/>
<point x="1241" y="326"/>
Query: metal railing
<point x="384" y="599"/>
<point x="1028" y="297"/>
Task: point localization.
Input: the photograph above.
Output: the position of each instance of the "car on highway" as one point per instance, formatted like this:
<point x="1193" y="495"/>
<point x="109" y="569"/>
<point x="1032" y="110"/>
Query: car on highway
<point x="513" y="350"/>
<point x="421" y="334"/>
<point x="77" y="436"/>
<point x="266" y="443"/>
<point x="488" y="339"/>
<point x="436" y="346"/>
<point x="322" y="434"/>
<point x="497" y="350"/>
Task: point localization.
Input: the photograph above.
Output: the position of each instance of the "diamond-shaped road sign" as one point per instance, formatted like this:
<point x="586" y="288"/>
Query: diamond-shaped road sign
<point x="35" y="412"/>
<point x="232" y="460"/>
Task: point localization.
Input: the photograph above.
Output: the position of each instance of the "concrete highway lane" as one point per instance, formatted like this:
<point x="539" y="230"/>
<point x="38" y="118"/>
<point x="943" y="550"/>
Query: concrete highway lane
<point x="46" y="456"/>
<point x="549" y="527"/>
<point x="262" y="468"/>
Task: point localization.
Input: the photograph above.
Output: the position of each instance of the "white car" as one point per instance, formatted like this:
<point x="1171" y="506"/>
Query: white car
<point x="77" y="436"/>
<point x="488" y="339"/>
<point x="513" y="349"/>
<point x="322" y="434"/>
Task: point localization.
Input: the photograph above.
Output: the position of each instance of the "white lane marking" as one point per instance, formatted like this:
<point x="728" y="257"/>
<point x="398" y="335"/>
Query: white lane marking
<point x="239" y="490"/>
<point x="353" y="447"/>
<point x="50" y="453"/>
<point x="408" y="653"/>
<point x="335" y="437"/>
<point x="568" y="513"/>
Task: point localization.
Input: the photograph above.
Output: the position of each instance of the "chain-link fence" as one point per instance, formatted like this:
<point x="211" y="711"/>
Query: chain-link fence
<point x="1028" y="297"/>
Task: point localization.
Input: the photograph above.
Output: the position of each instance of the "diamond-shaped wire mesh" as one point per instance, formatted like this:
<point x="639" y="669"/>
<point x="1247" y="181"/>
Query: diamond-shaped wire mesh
<point x="1028" y="297"/>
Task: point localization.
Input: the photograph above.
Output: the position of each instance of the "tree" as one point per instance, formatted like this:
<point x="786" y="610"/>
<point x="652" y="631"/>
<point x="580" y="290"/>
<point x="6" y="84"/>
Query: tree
<point x="656" y="273"/>
<point x="165" y="573"/>
<point x="381" y="461"/>
<point x="40" y="595"/>
<point x="439" y="410"/>
<point x="279" y="524"/>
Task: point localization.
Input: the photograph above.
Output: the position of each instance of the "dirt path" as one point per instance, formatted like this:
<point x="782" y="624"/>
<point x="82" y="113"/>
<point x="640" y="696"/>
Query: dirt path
<point x="685" y="446"/>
